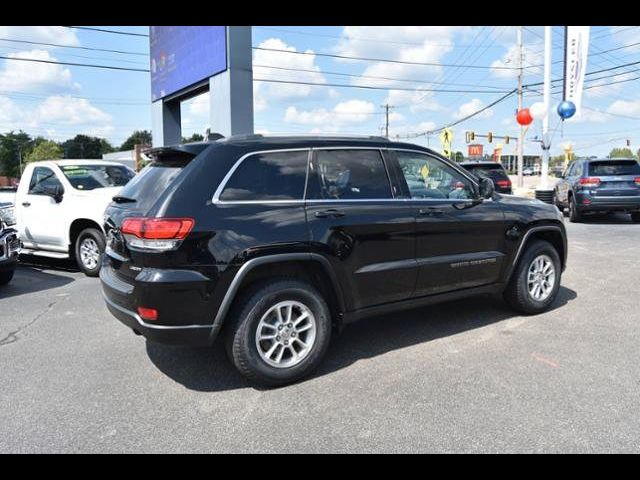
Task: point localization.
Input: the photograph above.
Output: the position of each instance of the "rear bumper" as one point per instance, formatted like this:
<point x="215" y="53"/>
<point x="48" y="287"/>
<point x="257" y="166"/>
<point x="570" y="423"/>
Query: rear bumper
<point x="617" y="203"/>
<point x="183" y="311"/>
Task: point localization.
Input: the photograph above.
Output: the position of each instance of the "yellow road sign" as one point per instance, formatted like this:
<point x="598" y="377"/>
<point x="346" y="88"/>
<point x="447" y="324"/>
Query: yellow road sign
<point x="446" y="137"/>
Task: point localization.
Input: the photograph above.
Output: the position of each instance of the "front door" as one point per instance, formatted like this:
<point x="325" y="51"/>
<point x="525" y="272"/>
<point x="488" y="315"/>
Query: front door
<point x="460" y="239"/>
<point x="356" y="222"/>
<point x="42" y="223"/>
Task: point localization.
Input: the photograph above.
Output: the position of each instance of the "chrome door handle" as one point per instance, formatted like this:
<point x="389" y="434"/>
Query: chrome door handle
<point x="329" y="213"/>
<point x="26" y="204"/>
<point x="430" y="212"/>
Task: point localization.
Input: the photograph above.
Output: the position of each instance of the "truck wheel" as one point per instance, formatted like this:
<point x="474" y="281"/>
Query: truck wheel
<point x="89" y="250"/>
<point x="574" y="214"/>
<point x="5" y="277"/>
<point x="279" y="332"/>
<point x="535" y="282"/>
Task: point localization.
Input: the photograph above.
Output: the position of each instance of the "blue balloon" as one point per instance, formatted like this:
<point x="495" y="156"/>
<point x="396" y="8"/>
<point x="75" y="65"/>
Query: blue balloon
<point x="566" y="109"/>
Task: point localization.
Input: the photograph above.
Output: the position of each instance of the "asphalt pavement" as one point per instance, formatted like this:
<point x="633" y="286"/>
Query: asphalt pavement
<point x="465" y="376"/>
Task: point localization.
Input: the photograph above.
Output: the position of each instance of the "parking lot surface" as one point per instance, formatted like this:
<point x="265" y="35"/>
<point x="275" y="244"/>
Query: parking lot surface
<point x="466" y="376"/>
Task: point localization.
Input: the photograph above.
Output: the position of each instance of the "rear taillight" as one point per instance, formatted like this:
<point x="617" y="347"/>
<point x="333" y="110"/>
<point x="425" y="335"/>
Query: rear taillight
<point x="149" y="314"/>
<point x="503" y="183"/>
<point x="637" y="181"/>
<point x="156" y="233"/>
<point x="590" y="182"/>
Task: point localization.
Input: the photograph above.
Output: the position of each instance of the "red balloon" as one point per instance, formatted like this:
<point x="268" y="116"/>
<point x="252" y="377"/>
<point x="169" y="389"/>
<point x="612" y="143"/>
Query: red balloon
<point x="524" y="117"/>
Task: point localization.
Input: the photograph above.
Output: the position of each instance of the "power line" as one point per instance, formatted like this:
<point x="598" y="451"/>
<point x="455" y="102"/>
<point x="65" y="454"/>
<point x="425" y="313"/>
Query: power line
<point x="370" y="87"/>
<point x="103" y="30"/>
<point x="107" y="67"/>
<point x="14" y="40"/>
<point x="383" y="60"/>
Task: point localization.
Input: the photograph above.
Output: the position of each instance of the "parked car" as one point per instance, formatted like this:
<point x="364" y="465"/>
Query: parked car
<point x="276" y="242"/>
<point x="60" y="208"/>
<point x="605" y="185"/>
<point x="9" y="243"/>
<point x="528" y="171"/>
<point x="493" y="170"/>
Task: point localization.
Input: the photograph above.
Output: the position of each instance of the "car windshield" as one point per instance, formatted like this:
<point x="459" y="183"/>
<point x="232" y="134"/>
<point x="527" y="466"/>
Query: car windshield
<point x="603" y="169"/>
<point x="491" y="171"/>
<point x="91" y="177"/>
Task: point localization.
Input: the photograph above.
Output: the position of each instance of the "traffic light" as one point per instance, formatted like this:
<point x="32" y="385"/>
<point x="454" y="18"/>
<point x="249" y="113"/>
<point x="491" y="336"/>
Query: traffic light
<point x="628" y="143"/>
<point x="489" y="137"/>
<point x="506" y="140"/>
<point x="470" y="136"/>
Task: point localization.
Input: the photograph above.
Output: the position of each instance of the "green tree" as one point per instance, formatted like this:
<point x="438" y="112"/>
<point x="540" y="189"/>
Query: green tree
<point x="14" y="147"/>
<point x="459" y="156"/>
<point x="196" y="137"/>
<point x="44" y="150"/>
<point x="138" y="137"/>
<point x="621" y="153"/>
<point x="84" y="146"/>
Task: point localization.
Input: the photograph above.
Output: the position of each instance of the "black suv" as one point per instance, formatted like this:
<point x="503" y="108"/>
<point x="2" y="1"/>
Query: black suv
<point x="9" y="243"/>
<point x="278" y="242"/>
<point x="493" y="170"/>
<point x="609" y="185"/>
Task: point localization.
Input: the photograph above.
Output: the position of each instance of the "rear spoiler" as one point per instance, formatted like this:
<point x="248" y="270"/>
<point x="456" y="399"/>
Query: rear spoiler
<point x="187" y="149"/>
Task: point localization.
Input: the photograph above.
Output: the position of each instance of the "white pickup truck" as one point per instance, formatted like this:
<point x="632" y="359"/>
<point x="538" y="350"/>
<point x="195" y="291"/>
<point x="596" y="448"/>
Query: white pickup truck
<point x="60" y="206"/>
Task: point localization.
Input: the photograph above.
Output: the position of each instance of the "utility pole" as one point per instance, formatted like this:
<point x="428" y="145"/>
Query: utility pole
<point x="386" y="107"/>
<point x="522" y="133"/>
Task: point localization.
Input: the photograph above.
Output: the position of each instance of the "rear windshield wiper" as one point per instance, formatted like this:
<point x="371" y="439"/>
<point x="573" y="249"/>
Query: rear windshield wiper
<point x="121" y="199"/>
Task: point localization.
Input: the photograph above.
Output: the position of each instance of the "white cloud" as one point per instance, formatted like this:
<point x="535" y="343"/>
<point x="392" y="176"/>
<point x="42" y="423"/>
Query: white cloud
<point x="46" y="34"/>
<point x="27" y="77"/>
<point x="305" y="67"/>
<point x="625" y="107"/>
<point x="64" y="111"/>
<point x="507" y="65"/>
<point x="590" y="116"/>
<point x="404" y="130"/>
<point x="471" y="107"/>
<point x="345" y="113"/>
<point x="417" y="101"/>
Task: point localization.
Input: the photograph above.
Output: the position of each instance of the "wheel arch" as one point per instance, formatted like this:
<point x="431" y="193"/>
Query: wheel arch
<point x="311" y="267"/>
<point x="554" y="234"/>
<point x="77" y="226"/>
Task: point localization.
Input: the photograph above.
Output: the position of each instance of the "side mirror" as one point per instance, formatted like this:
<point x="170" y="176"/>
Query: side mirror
<point x="56" y="192"/>
<point x="486" y="188"/>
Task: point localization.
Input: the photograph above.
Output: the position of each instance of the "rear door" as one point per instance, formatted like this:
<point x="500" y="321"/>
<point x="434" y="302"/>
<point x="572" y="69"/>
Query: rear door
<point x="618" y="178"/>
<point x="355" y="221"/>
<point x="459" y="240"/>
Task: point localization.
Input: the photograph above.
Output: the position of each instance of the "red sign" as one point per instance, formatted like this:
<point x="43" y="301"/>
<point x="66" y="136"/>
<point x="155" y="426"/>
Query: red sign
<point x="475" y="150"/>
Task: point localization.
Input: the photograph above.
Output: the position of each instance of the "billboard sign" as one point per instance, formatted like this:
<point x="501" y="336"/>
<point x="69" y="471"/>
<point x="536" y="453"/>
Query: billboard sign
<point x="475" y="150"/>
<point x="185" y="56"/>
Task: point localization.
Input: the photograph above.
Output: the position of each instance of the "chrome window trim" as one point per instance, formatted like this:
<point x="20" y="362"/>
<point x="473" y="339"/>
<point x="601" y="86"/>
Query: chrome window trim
<point x="216" y="196"/>
<point x="217" y="201"/>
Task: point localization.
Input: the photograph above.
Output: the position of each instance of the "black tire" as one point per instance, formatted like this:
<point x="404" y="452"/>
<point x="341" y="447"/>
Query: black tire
<point x="244" y="321"/>
<point x="559" y="205"/>
<point x="90" y="234"/>
<point x="635" y="217"/>
<point x="6" y="277"/>
<point x="574" y="214"/>
<point x="517" y="292"/>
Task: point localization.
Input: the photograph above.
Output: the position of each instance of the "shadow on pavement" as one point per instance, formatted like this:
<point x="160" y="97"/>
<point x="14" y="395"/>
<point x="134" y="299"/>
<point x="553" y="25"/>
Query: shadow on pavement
<point x="607" y="219"/>
<point x="209" y="370"/>
<point x="28" y="279"/>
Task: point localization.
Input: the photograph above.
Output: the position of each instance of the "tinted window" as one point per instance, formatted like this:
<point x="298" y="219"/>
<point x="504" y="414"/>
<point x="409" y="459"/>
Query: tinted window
<point x="494" y="172"/>
<point x="428" y="177"/>
<point x="147" y="187"/>
<point x="90" y="177"/>
<point x="268" y="176"/>
<point x="603" y="169"/>
<point x="43" y="180"/>
<point x="348" y="174"/>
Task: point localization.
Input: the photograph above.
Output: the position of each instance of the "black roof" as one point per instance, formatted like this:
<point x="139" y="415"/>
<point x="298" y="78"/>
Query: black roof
<point x="294" y="141"/>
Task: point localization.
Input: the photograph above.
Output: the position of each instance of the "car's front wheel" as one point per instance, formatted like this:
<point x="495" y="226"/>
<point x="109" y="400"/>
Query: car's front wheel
<point x="279" y="333"/>
<point x="89" y="248"/>
<point x="6" y="277"/>
<point x="535" y="283"/>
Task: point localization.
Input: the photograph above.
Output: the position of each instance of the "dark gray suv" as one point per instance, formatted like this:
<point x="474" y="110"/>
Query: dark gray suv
<point x="608" y="185"/>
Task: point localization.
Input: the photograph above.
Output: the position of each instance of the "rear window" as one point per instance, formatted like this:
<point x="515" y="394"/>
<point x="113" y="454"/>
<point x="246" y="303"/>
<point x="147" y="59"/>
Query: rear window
<point x="491" y="171"/>
<point x="147" y="187"/>
<point x="268" y="176"/>
<point x="622" y="167"/>
<point x="92" y="177"/>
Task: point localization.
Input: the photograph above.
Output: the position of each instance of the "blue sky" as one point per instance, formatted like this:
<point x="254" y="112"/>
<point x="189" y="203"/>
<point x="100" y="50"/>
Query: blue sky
<point x="59" y="101"/>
